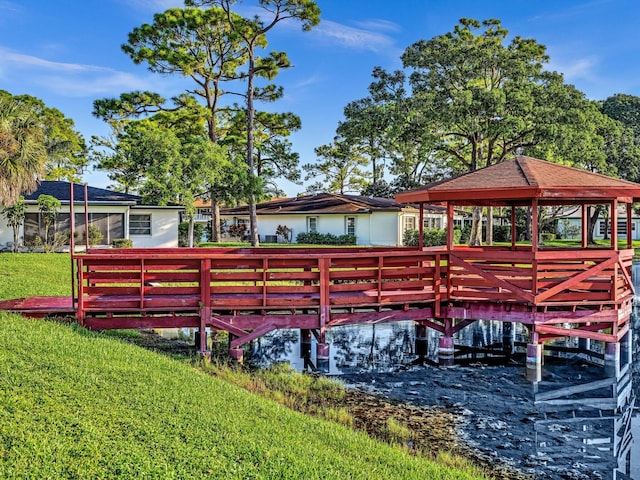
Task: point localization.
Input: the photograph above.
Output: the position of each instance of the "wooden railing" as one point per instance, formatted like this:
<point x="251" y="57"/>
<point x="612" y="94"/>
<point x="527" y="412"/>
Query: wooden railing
<point x="263" y="282"/>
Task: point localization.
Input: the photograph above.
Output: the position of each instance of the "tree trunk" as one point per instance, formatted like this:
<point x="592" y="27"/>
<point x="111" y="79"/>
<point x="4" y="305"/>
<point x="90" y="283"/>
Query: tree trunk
<point x="253" y="218"/>
<point x="215" y="220"/>
<point x="191" y="221"/>
<point x="592" y="220"/>
<point x="489" y="237"/>
<point x="475" y="239"/>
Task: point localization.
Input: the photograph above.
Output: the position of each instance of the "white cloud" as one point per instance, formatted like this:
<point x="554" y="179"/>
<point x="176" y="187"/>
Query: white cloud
<point x="580" y="68"/>
<point x="67" y="79"/>
<point x="356" y="38"/>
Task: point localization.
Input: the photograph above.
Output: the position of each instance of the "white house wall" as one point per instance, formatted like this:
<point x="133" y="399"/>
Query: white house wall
<point x="164" y="224"/>
<point x="577" y="222"/>
<point x="378" y="228"/>
<point x="164" y="228"/>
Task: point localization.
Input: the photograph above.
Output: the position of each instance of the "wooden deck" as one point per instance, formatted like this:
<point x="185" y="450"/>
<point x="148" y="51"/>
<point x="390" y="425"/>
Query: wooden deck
<point x="249" y="292"/>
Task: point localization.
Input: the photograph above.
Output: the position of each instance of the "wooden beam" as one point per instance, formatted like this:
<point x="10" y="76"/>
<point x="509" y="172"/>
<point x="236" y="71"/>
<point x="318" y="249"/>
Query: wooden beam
<point x="614" y="224"/>
<point x="534" y="225"/>
<point x="585" y="225"/>
<point x="421" y="227"/>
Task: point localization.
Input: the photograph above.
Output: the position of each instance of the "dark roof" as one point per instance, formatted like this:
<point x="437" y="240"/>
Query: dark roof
<point x="323" y="203"/>
<point x="62" y="192"/>
<point x="524" y="178"/>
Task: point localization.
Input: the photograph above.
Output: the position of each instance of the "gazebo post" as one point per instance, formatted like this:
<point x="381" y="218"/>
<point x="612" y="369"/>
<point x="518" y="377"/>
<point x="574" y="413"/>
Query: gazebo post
<point x="614" y="224"/>
<point x="629" y="226"/>
<point x="421" y="227"/>
<point x="585" y="225"/>
<point x="534" y="224"/>
<point x="513" y="227"/>
<point x="449" y="226"/>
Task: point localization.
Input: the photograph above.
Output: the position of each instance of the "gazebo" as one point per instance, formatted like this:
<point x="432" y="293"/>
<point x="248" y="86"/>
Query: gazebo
<point x="573" y="291"/>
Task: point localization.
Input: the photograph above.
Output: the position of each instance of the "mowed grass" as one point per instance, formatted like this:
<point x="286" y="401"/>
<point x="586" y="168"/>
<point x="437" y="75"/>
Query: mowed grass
<point x="81" y="404"/>
<point x="34" y="275"/>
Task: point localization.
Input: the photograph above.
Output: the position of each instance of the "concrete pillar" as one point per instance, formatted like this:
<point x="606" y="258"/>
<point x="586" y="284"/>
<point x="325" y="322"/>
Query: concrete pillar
<point x="584" y="344"/>
<point x="446" y="351"/>
<point x="508" y="339"/>
<point x="534" y="362"/>
<point x="305" y="348"/>
<point x="612" y="359"/>
<point x="322" y="357"/>
<point x="422" y="342"/>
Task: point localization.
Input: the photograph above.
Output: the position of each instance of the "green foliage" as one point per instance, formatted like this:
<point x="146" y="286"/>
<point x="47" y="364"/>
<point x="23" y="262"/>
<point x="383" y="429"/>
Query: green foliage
<point x="430" y="237"/>
<point x="48" y="207"/>
<point x="316" y="238"/>
<point x="95" y="235"/>
<point x="23" y="152"/>
<point x="546" y="237"/>
<point x="122" y="243"/>
<point x="501" y="233"/>
<point x="15" y="216"/>
<point x="338" y="168"/>
<point x="183" y="233"/>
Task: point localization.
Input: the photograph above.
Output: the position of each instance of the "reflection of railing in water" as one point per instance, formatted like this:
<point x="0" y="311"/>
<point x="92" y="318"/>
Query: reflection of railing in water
<point x="589" y="423"/>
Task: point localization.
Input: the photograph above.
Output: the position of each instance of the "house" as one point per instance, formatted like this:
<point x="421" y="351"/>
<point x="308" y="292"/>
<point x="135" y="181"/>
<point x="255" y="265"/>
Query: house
<point x="117" y="215"/>
<point x="569" y="224"/>
<point x="373" y="221"/>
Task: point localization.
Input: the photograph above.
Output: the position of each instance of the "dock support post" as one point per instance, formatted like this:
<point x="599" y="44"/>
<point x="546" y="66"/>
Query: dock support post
<point x="236" y="354"/>
<point x="421" y="342"/>
<point x="612" y="359"/>
<point x="200" y="340"/>
<point x="508" y="338"/>
<point x="305" y="348"/>
<point x="446" y="351"/>
<point x="322" y="357"/>
<point x="534" y="362"/>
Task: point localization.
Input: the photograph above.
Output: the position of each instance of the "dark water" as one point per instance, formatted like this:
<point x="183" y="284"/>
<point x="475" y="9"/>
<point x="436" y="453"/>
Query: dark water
<point x="592" y="431"/>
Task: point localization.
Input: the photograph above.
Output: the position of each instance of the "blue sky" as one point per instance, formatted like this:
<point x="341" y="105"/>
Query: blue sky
<point x="67" y="52"/>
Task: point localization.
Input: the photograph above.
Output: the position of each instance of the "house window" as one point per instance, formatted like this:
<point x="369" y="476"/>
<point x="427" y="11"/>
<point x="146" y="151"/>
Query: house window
<point x="140" y="224"/>
<point x="350" y="226"/>
<point x="312" y="224"/>
<point x="432" y="223"/>
<point x="111" y="225"/>
<point x="408" y="223"/>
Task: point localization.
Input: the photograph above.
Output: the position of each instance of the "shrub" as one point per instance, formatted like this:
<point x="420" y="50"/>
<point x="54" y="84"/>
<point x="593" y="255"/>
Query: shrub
<point x="547" y="237"/>
<point x="122" y="243"/>
<point x="430" y="238"/>
<point x="501" y="233"/>
<point x="316" y="238"/>
<point x="183" y="233"/>
<point x="95" y="235"/>
<point x="284" y="232"/>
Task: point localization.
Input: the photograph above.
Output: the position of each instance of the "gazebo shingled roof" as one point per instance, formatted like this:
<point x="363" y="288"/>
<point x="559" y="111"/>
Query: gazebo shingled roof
<point x="518" y="181"/>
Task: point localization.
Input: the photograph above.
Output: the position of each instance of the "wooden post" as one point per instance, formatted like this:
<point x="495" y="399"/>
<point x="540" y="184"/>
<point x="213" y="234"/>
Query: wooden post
<point x="614" y="224"/>
<point x="322" y="348"/>
<point x="449" y="226"/>
<point x="421" y="227"/>
<point x="205" y="304"/>
<point x="585" y="225"/>
<point x="72" y="245"/>
<point x="534" y="225"/>
<point x="513" y="227"/>
<point x="421" y="342"/>
<point x="446" y="347"/>
<point x="86" y="217"/>
<point x="629" y="226"/>
<point x="612" y="359"/>
<point x="305" y="348"/>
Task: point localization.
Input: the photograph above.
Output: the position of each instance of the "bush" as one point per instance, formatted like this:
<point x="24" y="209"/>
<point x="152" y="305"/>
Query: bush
<point x="316" y="238"/>
<point x="430" y="238"/>
<point x="547" y="237"/>
<point x="122" y="243"/>
<point x="501" y="233"/>
<point x="95" y="235"/>
<point x="183" y="233"/>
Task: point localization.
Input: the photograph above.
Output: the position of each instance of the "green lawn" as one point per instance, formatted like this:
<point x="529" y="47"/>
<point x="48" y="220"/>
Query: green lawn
<point x="75" y="404"/>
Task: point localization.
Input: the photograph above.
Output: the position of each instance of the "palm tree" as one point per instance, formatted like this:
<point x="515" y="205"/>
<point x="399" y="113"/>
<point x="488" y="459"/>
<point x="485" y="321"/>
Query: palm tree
<point x="23" y="151"/>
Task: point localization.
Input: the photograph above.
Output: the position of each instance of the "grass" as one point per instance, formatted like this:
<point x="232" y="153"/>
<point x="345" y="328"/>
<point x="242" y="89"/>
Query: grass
<point x="34" y="274"/>
<point x="77" y="404"/>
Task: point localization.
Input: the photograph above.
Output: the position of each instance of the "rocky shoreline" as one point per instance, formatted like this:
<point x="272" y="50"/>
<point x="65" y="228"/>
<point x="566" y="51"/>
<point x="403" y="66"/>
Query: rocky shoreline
<point x="496" y="419"/>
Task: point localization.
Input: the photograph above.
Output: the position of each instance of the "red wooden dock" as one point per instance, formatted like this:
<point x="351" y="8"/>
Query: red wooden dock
<point x="249" y="292"/>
